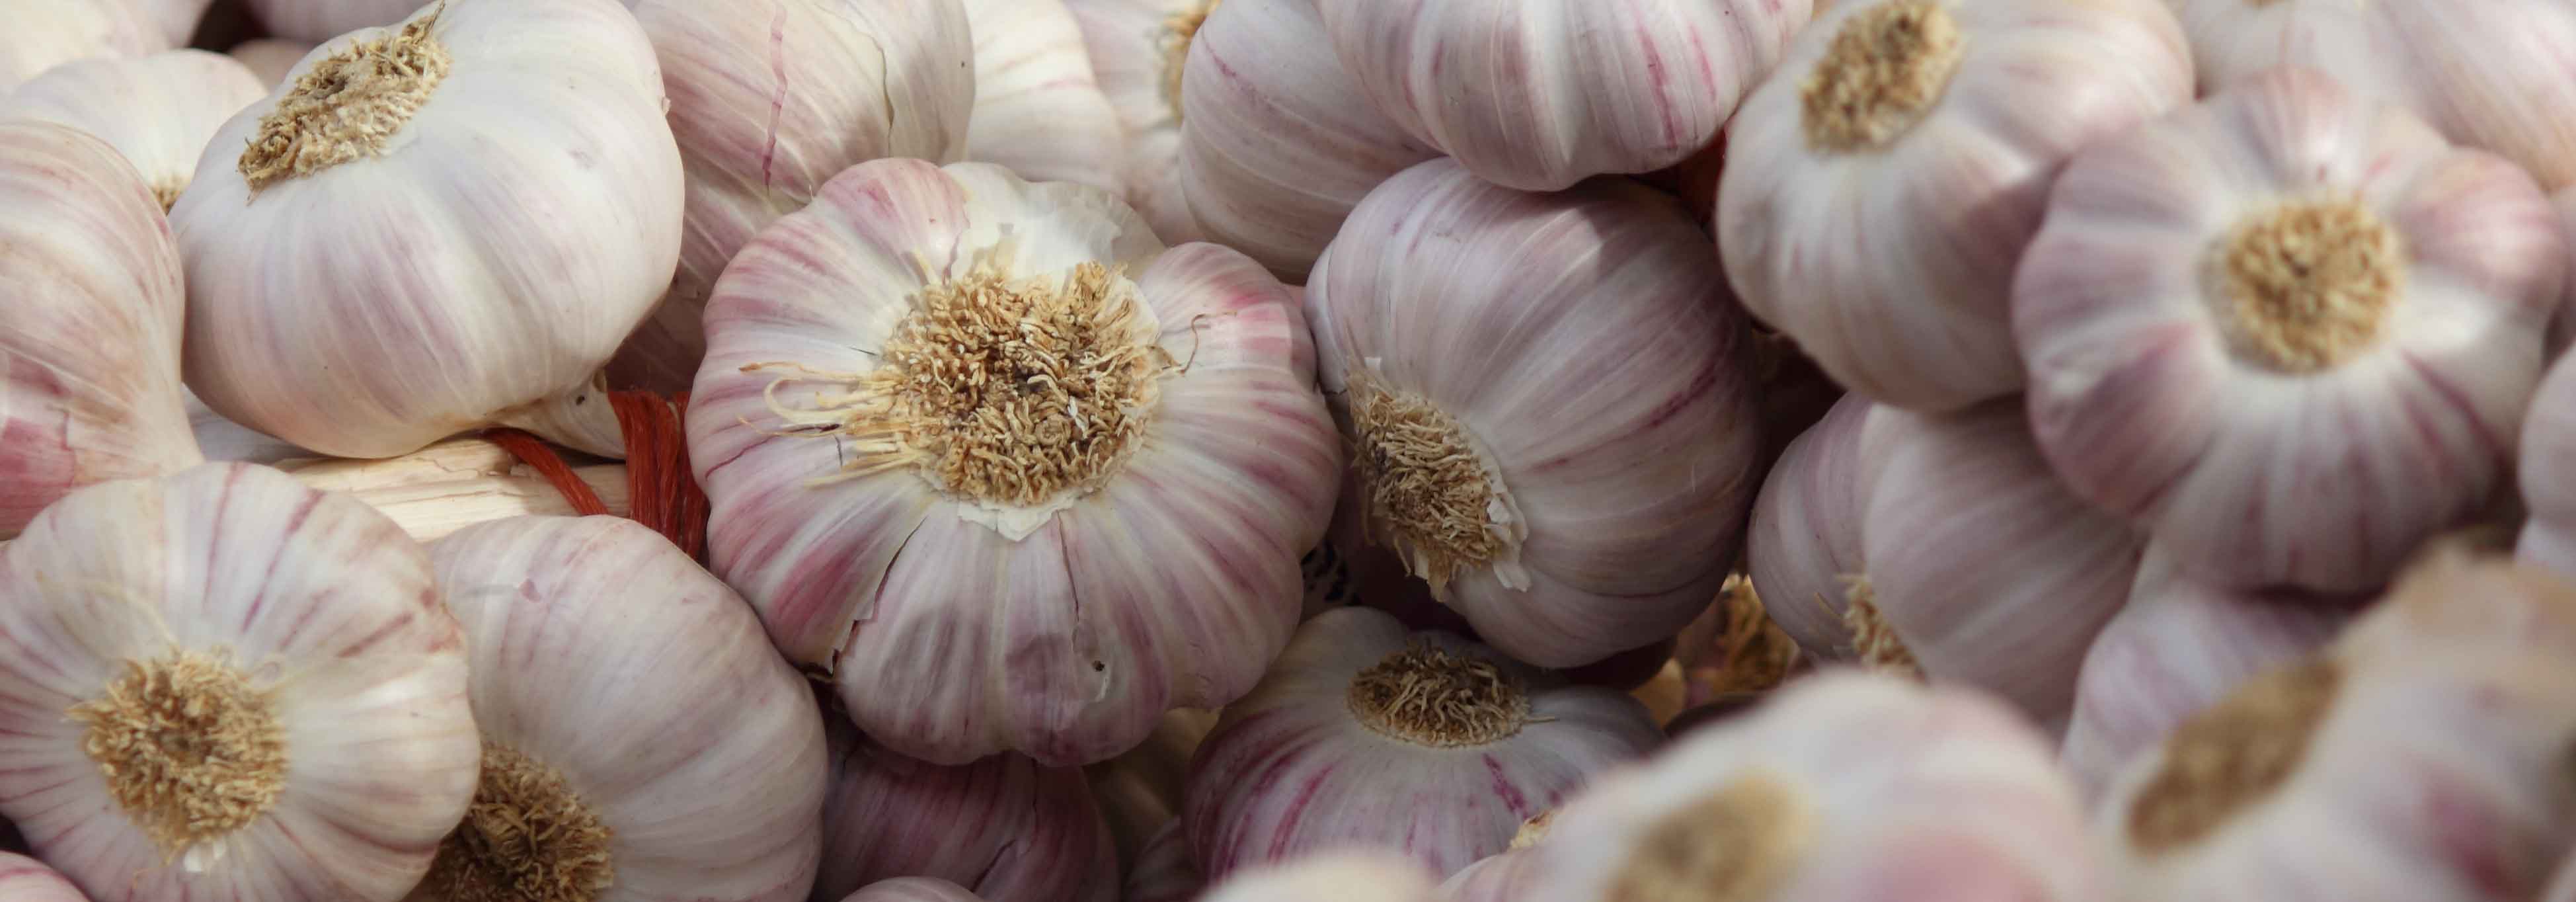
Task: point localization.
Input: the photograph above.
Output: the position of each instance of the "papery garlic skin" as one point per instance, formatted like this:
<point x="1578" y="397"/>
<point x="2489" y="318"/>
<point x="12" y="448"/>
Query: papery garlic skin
<point x="603" y="656"/>
<point x="1278" y="142"/>
<point x="91" y="302"/>
<point x="1004" y="827"/>
<point x="323" y="20"/>
<point x="1039" y="110"/>
<point x="1844" y="786"/>
<point x="270" y="58"/>
<point x="159" y="111"/>
<point x="1874" y="207"/>
<point x="308" y="631"/>
<point x="24" y="879"/>
<point x="1351" y="875"/>
<point x="1325" y="752"/>
<point x="1540" y="94"/>
<point x="1139" y="51"/>
<point x="1804" y="542"/>
<point x="913" y="889"/>
<point x="769" y="99"/>
<point x="43" y="34"/>
<point x="1584" y="351"/>
<point x="1163" y="871"/>
<point x="1157" y="571"/>
<point x="2280" y="429"/>
<point x="435" y="278"/>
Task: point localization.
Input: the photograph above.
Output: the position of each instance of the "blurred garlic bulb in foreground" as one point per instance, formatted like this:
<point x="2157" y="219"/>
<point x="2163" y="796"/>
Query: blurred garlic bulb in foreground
<point x="771" y="98"/>
<point x="1139" y="49"/>
<point x="1549" y="403"/>
<point x="1843" y="786"/>
<point x="323" y="20"/>
<point x="1349" y="875"/>
<point x="2562" y="325"/>
<point x="1039" y="111"/>
<point x="90" y="317"/>
<point x="2548" y="472"/>
<point x="1805" y="539"/>
<point x="2176" y="647"/>
<point x="160" y="111"/>
<point x="1148" y="464"/>
<point x="1365" y="734"/>
<point x="270" y="58"/>
<point x="43" y="34"/>
<point x="1278" y="143"/>
<point x="2290" y="332"/>
<point x="24" y="879"/>
<point x="1541" y="94"/>
<point x="433" y="228"/>
<point x="2423" y="757"/>
<point x="641" y="740"/>
<point x="1004" y="827"/>
<point x="223" y="685"/>
<point x="913" y="889"/>
<point x="1880" y="188"/>
<point x="1163" y="871"/>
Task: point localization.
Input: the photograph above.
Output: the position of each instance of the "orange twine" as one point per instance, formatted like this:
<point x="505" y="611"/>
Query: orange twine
<point x="662" y="490"/>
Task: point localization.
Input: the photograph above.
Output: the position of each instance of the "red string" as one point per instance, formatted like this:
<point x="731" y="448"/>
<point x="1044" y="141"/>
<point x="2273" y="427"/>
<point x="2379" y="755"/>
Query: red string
<point x="540" y="457"/>
<point x="662" y="491"/>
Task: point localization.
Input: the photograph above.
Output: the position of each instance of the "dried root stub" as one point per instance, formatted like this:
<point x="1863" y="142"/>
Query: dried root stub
<point x="1430" y="696"/>
<point x="2230" y="757"/>
<point x="1179" y="29"/>
<point x="1738" y="844"/>
<point x="188" y="746"/>
<point x="2309" y="284"/>
<point x="1427" y="487"/>
<point x="348" y="106"/>
<point x="527" y="838"/>
<point x="1885" y="67"/>
<point x="1874" y="642"/>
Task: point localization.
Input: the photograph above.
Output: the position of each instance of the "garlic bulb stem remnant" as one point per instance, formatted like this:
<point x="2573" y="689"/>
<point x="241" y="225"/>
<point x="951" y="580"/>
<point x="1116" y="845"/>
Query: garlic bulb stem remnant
<point x="159" y="110"/>
<point x="1883" y="70"/>
<point x="1432" y="494"/>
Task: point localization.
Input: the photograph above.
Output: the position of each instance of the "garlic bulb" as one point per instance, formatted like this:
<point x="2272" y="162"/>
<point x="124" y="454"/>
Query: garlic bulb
<point x="1138" y="51"/>
<point x="1982" y="568"/>
<point x="43" y="34"/>
<point x="1039" y="111"/>
<point x="1804" y="541"/>
<point x="1003" y="826"/>
<point x="2178" y="646"/>
<point x="1364" y="734"/>
<point x="1140" y="791"/>
<point x="1552" y="418"/>
<point x="323" y="20"/>
<point x="90" y="317"/>
<point x="1278" y="143"/>
<point x="641" y="740"/>
<point x="159" y="111"/>
<point x="371" y="269"/>
<point x="1880" y="188"/>
<point x="1347" y="875"/>
<point x="223" y="685"/>
<point x="770" y="98"/>
<point x="1844" y="786"/>
<point x="270" y="58"/>
<point x="2422" y="756"/>
<point x="2548" y="483"/>
<point x="1143" y="494"/>
<point x="1541" y="94"/>
<point x="2289" y="332"/>
<point x="1163" y="871"/>
<point x="222" y="439"/>
<point x="24" y="879"/>
<point x="1508" y="876"/>
<point x="913" y="889"/>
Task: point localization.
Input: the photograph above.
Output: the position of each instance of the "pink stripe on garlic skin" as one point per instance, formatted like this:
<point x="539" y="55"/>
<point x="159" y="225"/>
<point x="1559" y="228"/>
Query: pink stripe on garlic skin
<point x="91" y="312"/>
<point x="1541" y="94"/>
<point x="1891" y="261"/>
<point x="1004" y="827"/>
<point x="2149" y="403"/>
<point x="1039" y="110"/>
<point x="1293" y="770"/>
<point x="1164" y="871"/>
<point x="24" y="879"/>
<point x="1805" y="537"/>
<point x="913" y="889"/>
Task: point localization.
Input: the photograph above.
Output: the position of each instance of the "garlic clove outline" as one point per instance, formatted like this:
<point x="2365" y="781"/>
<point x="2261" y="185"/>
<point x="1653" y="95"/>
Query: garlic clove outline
<point x="1039" y="110"/>
<point x="1139" y="49"/>
<point x="1804" y="541"/>
<point x="160" y="111"/>
<point x="1004" y="827"/>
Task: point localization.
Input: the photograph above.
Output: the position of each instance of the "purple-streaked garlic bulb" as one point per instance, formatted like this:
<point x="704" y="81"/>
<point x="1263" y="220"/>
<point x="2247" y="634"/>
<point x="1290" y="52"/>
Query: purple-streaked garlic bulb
<point x="770" y="99"/>
<point x="641" y="739"/>
<point x="160" y="111"/>
<point x="43" y="34"/>
<point x="1541" y="94"/>
<point x="1278" y="142"/>
<point x="1039" y="110"/>
<point x="1005" y="827"/>
<point x="270" y="58"/>
<point x="24" y="879"/>
<point x="2290" y="332"/>
<point x="91" y="312"/>
<point x="1804" y="544"/>
<point x="223" y="685"/>
<point x="321" y="20"/>
<point x="2548" y="472"/>
<point x="1983" y="569"/>
<point x="1340" y="875"/>
<point x="913" y="889"/>
<point x="434" y="227"/>
<point x="1164" y="871"/>
<point x="1843" y="786"/>
<point x="1138" y="52"/>
<point x="2177" y="646"/>
<point x="1365" y="734"/>
<point x="2423" y="756"/>
<point x="1141" y="790"/>
<point x="1548" y="402"/>
<point x="1881" y="186"/>
<point x="939" y="386"/>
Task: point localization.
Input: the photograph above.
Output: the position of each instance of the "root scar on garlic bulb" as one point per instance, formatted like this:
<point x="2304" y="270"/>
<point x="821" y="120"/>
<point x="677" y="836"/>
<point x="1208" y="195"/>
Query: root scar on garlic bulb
<point x="1178" y="30"/>
<point x="1737" y="844"/>
<point x="1427" y="695"/>
<point x="1884" y="69"/>
<point x="2229" y="757"/>
<point x="188" y="747"/>
<point x="1873" y="640"/>
<point x="527" y="838"/>
<point x="1429" y="490"/>
<point x="2306" y="285"/>
<point x="348" y="106"/>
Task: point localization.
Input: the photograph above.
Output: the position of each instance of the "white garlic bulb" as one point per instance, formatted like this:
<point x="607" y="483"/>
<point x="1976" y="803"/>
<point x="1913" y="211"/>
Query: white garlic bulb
<point x="1139" y="49"/>
<point x="1540" y="94"/>
<point x="1163" y="871"/>
<point x="1548" y="400"/>
<point x="433" y="228"/>
<point x="641" y="739"/>
<point x="322" y="20"/>
<point x="270" y="58"/>
<point x="1278" y="143"/>
<point x="770" y="98"/>
<point x="2290" y="332"/>
<point x="913" y="889"/>
<point x="1804" y="543"/>
<point x="24" y="879"/>
<point x="2422" y="756"/>
<point x="160" y="111"/>
<point x="1843" y="786"/>
<point x="1881" y="186"/>
<point x="43" y="34"/>
<point x="1039" y="110"/>
<point x="1342" y="875"/>
<point x="1003" y="826"/>
<point x="223" y="685"/>
<point x="90" y="318"/>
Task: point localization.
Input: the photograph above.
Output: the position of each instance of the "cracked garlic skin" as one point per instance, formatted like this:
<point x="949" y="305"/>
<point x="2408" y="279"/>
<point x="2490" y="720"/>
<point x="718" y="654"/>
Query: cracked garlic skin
<point x="1163" y="870"/>
<point x="1548" y="401"/>
<point x="1039" y="110"/>
<point x="2422" y="757"/>
<point x="222" y="685"/>
<point x="842" y="81"/>
<point x="43" y="34"/>
<point x="1003" y="826"/>
<point x="628" y="702"/>
<point x="1366" y="734"/>
<point x="1842" y="786"/>
<point x="1881" y="186"/>
<point x="434" y="227"/>
<point x="1541" y="94"/>
<point x="24" y="879"/>
<point x="1139" y="49"/>
<point x="91" y="310"/>
<point x="1804" y="542"/>
<point x="1342" y="875"/>
<point x="2289" y="332"/>
<point x="993" y="542"/>
<point x="160" y="111"/>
